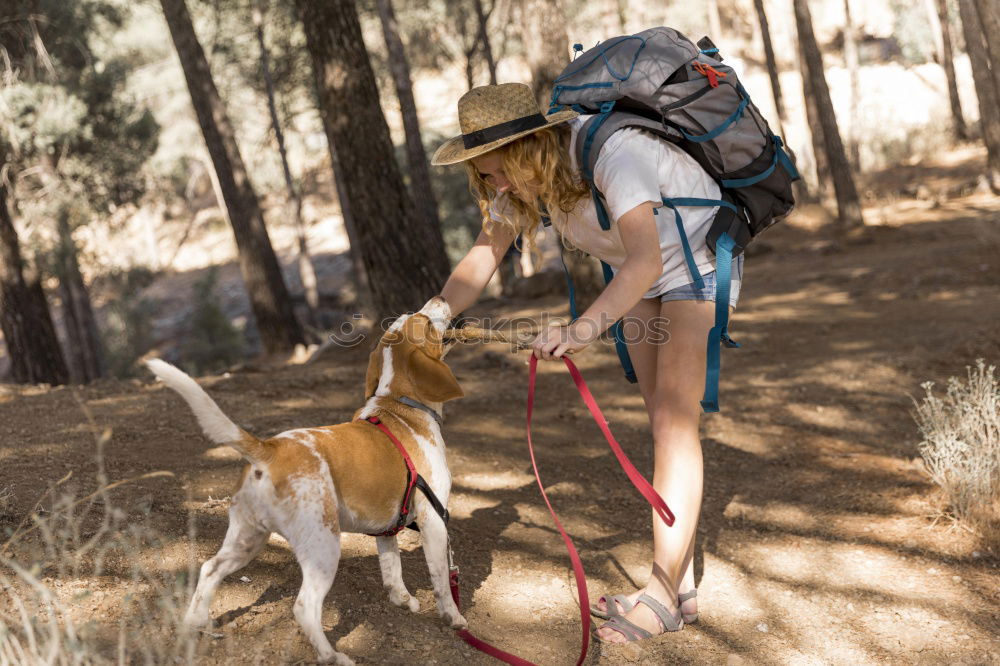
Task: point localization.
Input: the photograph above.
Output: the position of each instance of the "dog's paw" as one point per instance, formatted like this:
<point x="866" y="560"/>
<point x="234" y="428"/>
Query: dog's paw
<point x="404" y="600"/>
<point x="337" y="658"/>
<point x="196" y="622"/>
<point x="455" y="620"/>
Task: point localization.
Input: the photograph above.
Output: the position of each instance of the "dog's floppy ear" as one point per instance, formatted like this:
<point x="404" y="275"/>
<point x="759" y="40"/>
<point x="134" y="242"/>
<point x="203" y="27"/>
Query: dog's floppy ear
<point x="374" y="371"/>
<point x="431" y="378"/>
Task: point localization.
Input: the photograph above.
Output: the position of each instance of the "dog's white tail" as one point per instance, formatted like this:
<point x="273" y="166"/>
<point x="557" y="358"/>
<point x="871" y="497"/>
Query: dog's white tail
<point x="217" y="426"/>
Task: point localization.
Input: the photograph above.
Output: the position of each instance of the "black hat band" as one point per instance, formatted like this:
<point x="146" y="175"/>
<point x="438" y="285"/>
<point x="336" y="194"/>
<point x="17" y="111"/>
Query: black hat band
<point x="503" y="130"/>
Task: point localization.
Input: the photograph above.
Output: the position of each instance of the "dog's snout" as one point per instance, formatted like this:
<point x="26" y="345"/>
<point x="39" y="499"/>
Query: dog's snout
<point x="438" y="311"/>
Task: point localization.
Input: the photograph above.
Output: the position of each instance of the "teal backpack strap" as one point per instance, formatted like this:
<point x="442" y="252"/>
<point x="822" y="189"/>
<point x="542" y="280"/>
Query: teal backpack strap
<point x="616" y="330"/>
<point x="675" y="202"/>
<point x="571" y="290"/>
<point x="719" y="334"/>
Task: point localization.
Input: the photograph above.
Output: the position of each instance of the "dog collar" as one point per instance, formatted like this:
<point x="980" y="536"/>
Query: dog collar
<point x="410" y="402"/>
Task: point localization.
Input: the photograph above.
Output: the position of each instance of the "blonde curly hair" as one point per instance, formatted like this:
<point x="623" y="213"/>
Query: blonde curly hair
<point x="537" y="166"/>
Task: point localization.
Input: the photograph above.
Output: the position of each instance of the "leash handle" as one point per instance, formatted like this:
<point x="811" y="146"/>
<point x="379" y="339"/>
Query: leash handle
<point x="581" y="578"/>
<point x="638" y="480"/>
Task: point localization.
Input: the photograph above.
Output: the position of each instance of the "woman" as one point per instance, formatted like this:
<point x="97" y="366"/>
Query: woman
<point x="520" y="164"/>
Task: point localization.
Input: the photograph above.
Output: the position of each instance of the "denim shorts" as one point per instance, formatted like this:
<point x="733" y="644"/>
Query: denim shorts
<point x="689" y="292"/>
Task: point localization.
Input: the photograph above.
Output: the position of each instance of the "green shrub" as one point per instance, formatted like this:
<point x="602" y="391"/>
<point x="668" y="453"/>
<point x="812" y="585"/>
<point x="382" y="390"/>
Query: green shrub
<point x="127" y="329"/>
<point x="212" y="342"/>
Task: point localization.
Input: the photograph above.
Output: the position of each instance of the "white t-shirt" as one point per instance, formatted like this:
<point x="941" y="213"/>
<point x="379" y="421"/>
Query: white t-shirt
<point x="635" y="167"/>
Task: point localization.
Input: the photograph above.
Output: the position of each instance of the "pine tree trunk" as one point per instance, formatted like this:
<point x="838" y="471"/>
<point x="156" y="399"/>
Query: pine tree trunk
<point x="30" y="336"/>
<point x="986" y="89"/>
<point x="546" y="44"/>
<point x="848" y="204"/>
<point x="307" y="271"/>
<point x="364" y="292"/>
<point x="815" y="129"/>
<point x="948" y="63"/>
<point x="416" y="159"/>
<point x="84" y="342"/>
<point x="403" y="255"/>
<point x="622" y="6"/>
<point x="851" y="60"/>
<point x="801" y="189"/>
<point x="272" y="306"/>
<point x="482" y="17"/>
<point x="989" y="18"/>
<point x="772" y="64"/>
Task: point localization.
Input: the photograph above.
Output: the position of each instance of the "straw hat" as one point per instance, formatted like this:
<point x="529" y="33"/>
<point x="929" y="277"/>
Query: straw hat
<point x="491" y="116"/>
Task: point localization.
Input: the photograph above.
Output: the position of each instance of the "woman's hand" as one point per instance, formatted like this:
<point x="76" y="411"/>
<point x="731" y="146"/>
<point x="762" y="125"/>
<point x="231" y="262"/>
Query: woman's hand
<point x="554" y="341"/>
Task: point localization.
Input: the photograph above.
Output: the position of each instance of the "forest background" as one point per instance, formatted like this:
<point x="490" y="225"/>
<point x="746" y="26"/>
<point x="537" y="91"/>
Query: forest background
<point x="119" y="213"/>
<point x="232" y="184"/>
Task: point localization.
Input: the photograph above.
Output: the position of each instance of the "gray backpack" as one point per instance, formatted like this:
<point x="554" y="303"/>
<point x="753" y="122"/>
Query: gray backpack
<point x="659" y="81"/>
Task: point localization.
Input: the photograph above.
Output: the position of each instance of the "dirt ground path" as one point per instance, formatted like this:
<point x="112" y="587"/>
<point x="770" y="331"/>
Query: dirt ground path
<point x="821" y="539"/>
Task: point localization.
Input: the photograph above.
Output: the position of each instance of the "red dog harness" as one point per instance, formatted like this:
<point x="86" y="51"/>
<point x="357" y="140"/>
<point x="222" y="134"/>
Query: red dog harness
<point x="413" y="480"/>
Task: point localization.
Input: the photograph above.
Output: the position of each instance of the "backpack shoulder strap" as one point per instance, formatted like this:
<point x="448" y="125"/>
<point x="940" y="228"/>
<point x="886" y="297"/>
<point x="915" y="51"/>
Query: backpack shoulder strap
<point x="595" y="132"/>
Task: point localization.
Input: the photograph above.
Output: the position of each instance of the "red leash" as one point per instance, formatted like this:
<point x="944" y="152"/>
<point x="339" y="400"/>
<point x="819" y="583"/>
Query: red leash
<point x="637" y="479"/>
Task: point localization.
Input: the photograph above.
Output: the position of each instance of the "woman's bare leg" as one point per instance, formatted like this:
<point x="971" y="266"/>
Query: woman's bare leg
<point x="673" y="402"/>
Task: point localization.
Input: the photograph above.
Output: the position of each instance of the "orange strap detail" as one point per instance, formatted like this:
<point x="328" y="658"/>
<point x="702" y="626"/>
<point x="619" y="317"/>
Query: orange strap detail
<point x="710" y="72"/>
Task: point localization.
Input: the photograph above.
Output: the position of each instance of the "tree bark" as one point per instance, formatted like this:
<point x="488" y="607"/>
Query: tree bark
<point x="546" y="44"/>
<point x="403" y="255"/>
<point x="848" y="204"/>
<point x="421" y="190"/>
<point x="469" y="40"/>
<point x="851" y="60"/>
<point x="482" y="17"/>
<point x="272" y="306"/>
<point x="986" y="89"/>
<point x="307" y="271"/>
<point x="83" y="340"/>
<point x="815" y="129"/>
<point x="772" y="64"/>
<point x="948" y="63"/>
<point x="32" y="344"/>
<point x="989" y="18"/>
<point x="622" y="6"/>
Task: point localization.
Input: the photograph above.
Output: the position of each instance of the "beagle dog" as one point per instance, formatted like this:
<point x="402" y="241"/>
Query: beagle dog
<point x="311" y="484"/>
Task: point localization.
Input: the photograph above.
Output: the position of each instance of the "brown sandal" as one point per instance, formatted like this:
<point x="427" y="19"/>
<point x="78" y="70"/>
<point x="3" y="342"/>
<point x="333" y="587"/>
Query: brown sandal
<point x="633" y="632"/>
<point x="689" y="618"/>
<point x="612" y="603"/>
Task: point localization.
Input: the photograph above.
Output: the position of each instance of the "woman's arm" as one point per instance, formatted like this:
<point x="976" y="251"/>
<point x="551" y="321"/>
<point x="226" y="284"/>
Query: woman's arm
<point x="474" y="271"/>
<point x="643" y="264"/>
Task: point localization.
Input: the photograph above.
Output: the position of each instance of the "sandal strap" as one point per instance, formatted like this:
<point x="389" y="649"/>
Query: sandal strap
<point x="617" y="599"/>
<point x="669" y="621"/>
<point x="688" y="595"/>
<point x="627" y="629"/>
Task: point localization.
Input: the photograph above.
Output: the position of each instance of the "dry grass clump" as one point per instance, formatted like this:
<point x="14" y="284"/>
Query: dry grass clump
<point x="6" y="500"/>
<point x="961" y="446"/>
<point x="51" y="569"/>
